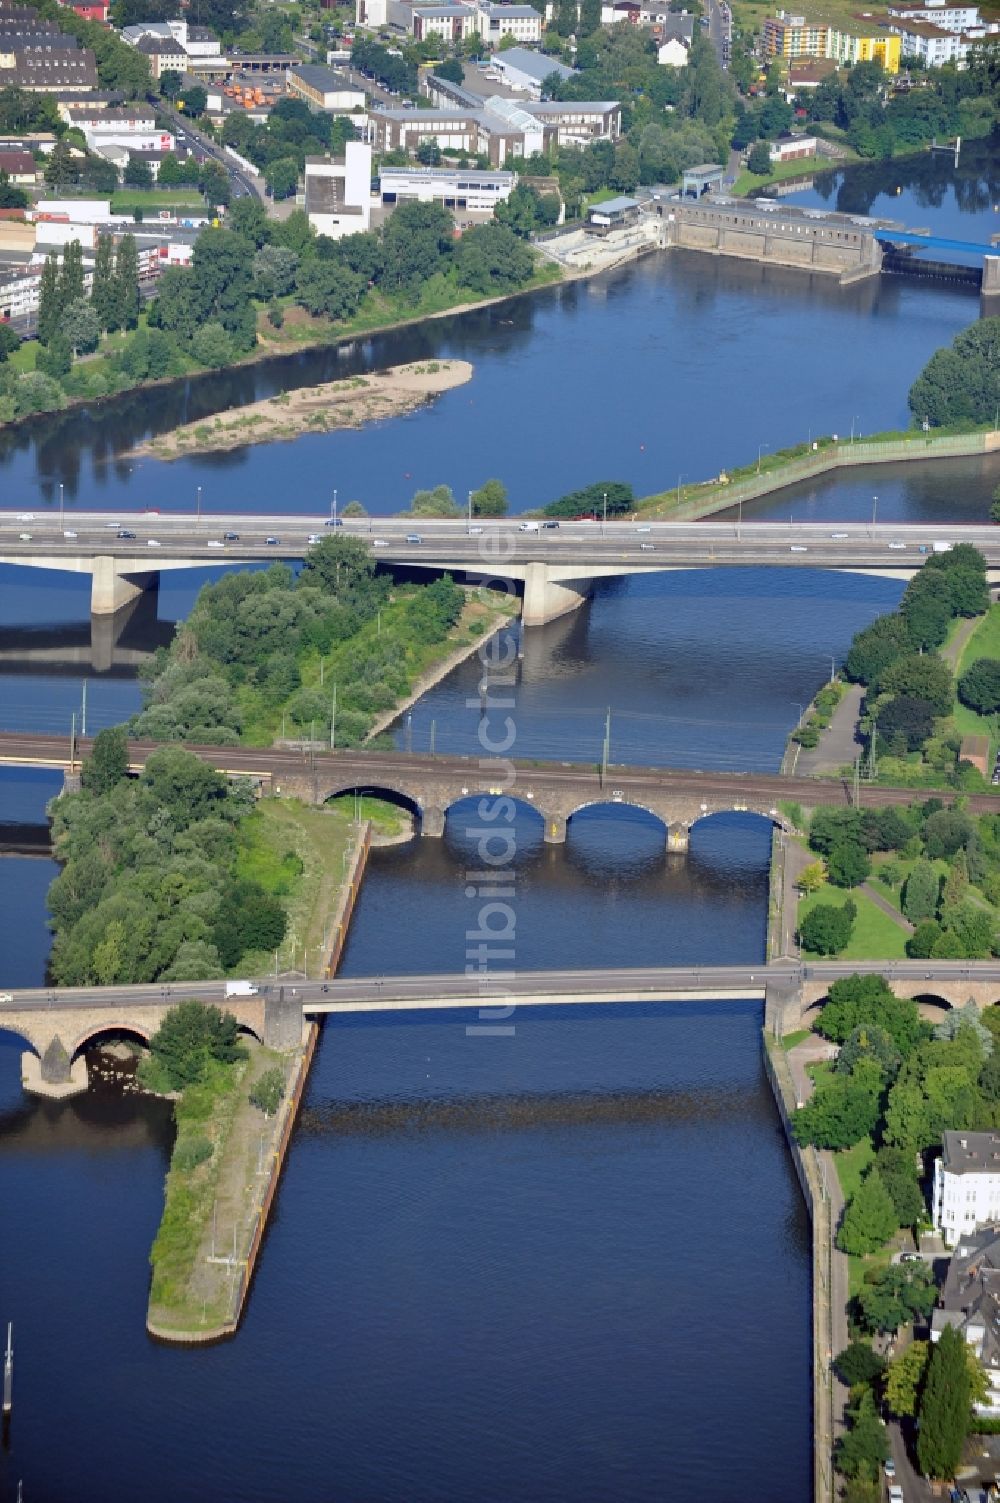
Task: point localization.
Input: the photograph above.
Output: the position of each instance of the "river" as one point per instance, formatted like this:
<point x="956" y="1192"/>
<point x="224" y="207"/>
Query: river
<point x="569" y="1263"/>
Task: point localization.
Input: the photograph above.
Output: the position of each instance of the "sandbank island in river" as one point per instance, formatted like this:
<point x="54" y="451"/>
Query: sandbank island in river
<point x="313" y="409"/>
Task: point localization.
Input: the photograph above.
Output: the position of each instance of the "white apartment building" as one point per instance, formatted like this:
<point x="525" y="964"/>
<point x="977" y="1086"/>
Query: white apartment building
<point x="966" y="1192"/>
<point x="339" y="193"/>
<point x="522" y="22"/>
<point x="455" y="188"/>
<point x="948" y="17"/>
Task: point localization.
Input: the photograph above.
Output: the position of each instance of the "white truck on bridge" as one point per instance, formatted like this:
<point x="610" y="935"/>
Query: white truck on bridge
<point x="241" y="989"/>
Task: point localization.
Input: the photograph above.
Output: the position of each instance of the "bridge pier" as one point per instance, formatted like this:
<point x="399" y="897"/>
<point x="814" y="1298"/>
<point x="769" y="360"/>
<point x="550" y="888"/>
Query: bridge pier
<point x="677" y="837"/>
<point x="991" y="280"/>
<point x="555" y="830"/>
<point x="283" y="1020"/>
<point x="110" y="591"/>
<point x="782" y="1006"/>
<point x="55" y="1074"/>
<point x="432" y="821"/>
<point x="545" y="598"/>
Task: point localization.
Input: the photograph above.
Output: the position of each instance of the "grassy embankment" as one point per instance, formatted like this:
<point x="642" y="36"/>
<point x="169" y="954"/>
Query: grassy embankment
<point x="299" y="854"/>
<point x="787" y="466"/>
<point x="805" y="167"/>
<point x="875" y="936"/>
<point x="983" y="643"/>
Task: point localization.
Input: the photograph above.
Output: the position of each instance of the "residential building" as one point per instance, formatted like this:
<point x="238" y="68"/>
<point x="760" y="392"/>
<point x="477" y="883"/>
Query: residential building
<point x="526" y="71"/>
<point x="324" y="88"/>
<point x="454" y="187"/>
<point x="949" y="17"/>
<point x="20" y="168"/>
<point x="339" y="192"/>
<point x="450" y="21"/>
<point x="795" y="36"/>
<point x="23" y="36"/>
<point x="966" y="1193"/>
<point x="92" y="10"/>
<point x="136" y="120"/>
<point x="673" y="53"/>
<point x="164" y="55"/>
<point x="193" y="41"/>
<point x="621" y="10"/>
<point x="932" y="44"/>
<point x="808" y="75"/>
<point x="68" y="70"/>
<point x="970" y="1302"/>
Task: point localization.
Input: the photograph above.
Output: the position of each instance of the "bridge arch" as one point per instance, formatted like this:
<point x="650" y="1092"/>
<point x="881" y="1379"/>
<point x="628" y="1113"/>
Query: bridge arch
<point x="621" y="802"/>
<point x="400" y="798"/>
<point x="108" y="1032"/>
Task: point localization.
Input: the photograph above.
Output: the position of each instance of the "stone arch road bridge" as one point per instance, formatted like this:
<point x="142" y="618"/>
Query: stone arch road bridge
<point x="555" y="567"/>
<point x="58" y="1024"/>
<point x="429" y="786"/>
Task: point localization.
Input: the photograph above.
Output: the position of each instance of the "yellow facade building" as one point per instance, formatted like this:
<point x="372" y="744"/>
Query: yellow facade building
<point x="794" y="37"/>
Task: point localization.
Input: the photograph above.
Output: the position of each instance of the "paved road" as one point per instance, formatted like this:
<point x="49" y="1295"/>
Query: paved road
<point x="525" y="988"/>
<point x="483" y="548"/>
<point x="720" y="29"/>
<point x="190" y="138"/>
<point x="383" y="768"/>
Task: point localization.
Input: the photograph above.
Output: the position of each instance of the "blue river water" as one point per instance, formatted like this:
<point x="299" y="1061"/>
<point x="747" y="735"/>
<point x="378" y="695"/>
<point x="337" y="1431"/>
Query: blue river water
<point x="566" y="1264"/>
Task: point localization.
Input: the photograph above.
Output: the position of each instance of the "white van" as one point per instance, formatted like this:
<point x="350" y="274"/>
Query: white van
<point x="528" y="527"/>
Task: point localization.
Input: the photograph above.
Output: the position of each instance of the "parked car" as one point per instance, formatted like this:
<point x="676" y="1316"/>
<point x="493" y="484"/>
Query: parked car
<point x="890" y="1468"/>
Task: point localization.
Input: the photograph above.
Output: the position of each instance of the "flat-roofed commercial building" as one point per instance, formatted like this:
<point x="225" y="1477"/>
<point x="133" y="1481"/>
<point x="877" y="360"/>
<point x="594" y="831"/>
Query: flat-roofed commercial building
<point x="324" y="88"/>
<point x="456" y="188"/>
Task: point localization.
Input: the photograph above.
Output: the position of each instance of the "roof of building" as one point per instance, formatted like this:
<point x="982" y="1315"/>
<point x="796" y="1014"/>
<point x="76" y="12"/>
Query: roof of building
<point x="619" y="205"/>
<point x="677" y="26"/>
<point x="160" y="47"/>
<point x="921" y="29"/>
<point x="17" y="163"/>
<point x="84" y="110"/>
<point x="517" y="12"/>
<point x="541" y="108"/>
<point x="532" y="64"/>
<point x="971" y="1152"/>
<point x="316" y="76"/>
<point x="920" y="8"/>
<point x="201" y="34"/>
<point x="325" y="195"/>
<point x="36" y="69"/>
<point x="433" y="174"/>
<point x="511" y="111"/>
<point x="970" y="1298"/>
<point x="134" y="34"/>
<point x="814" y="69"/>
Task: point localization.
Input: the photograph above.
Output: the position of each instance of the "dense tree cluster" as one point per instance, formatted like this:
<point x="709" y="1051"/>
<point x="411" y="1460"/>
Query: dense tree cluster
<point x="242" y="657"/>
<point x="908" y="686"/>
<point x="147" y="875"/>
<point x="611" y="497"/>
<point x="961" y="384"/>
<point x="293" y="132"/>
<point x="393" y="72"/>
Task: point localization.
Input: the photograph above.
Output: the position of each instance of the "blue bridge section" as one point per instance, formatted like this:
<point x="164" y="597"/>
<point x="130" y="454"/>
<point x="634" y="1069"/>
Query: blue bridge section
<point x="936" y="242"/>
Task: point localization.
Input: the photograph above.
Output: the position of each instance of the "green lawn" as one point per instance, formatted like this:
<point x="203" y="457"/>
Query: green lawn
<point x="875" y="936"/>
<point x="789" y="1040"/>
<point x="780" y="171"/>
<point x="155" y="198"/>
<point x="851" y="1164"/>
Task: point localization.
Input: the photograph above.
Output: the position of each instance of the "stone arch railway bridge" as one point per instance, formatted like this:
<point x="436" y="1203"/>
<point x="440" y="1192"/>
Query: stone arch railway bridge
<point x="57" y="1024"/>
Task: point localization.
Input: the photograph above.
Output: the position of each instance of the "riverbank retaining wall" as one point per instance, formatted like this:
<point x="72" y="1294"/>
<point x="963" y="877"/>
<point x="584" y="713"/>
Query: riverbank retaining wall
<point x="722" y="495"/>
<point x="813" y="1185"/>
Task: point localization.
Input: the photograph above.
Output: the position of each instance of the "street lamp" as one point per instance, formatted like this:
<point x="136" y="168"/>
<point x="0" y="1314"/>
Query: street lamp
<point x="61" y="503"/>
<point x="760" y="450"/>
<point x="604" y="520"/>
<point x="679" y="479"/>
<point x="853" y="421"/>
<point x="198" y="511"/>
<point x="470" y="512"/>
<point x="801" y="709"/>
<point x="333" y="506"/>
<point x="874" y="513"/>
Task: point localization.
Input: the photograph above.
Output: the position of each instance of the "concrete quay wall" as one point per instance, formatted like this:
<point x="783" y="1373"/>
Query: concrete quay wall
<point x="813" y="1186"/>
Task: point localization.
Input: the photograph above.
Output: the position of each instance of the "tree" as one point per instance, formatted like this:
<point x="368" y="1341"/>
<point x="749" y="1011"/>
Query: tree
<point x="862" y="1449"/>
<point x="920" y="893"/>
<point x="417" y="241"/>
<point x="868" y="1041"/>
<point x="491" y="258"/>
<point x="874" y="649"/>
<point x="907" y="718"/>
<point x="282" y="177"/>
<point x="944" y="1407"/>
<point x="843" y="1112"/>
<point x="274" y="271"/>
<point x="327" y="289"/>
<point x="11" y="197"/>
<point x="847" y="864"/>
<point x="342" y="567"/>
<point x="79" y="326"/>
<point x="921" y="676"/>
<point x="945" y="832"/>
<point x="107" y="765"/>
<point x="811" y="877"/>
<point x="192" y="1037"/>
<point x="103" y="294"/>
<point x="194" y="101"/>
<point x="49" y="303"/>
<point x="267" y="1091"/>
<point x="248" y="918"/>
<point x="870" y="1217"/>
<point x="961" y="383"/>
<point x="922" y="943"/>
<point x="138" y="173"/>
<point x="212" y="345"/>
<point x="759" y="160"/>
<point x="429" y="152"/>
<point x="71" y="282"/>
<point x="864" y="1000"/>
<point x="490" y="500"/>
<point x="899" y="1176"/>
<point x="10" y="340"/>
<point x="979" y="686"/>
<point x="857" y="1363"/>
<point x="905" y="1378"/>
<point x="438" y="502"/>
<point x="127" y="283"/>
<point x="894" y="1296"/>
<point x="826" y="929"/>
<point x="450" y="70"/>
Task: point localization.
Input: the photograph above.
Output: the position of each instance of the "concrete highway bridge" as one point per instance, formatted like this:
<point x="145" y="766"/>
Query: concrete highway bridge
<point x="554" y="567"/>
<point x="58" y="1024"/>
<point x="428" y="786"/>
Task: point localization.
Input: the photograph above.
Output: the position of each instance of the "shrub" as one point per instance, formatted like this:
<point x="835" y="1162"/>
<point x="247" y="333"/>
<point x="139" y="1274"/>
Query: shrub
<point x="267" y="1091"/>
<point x="189" y="1153"/>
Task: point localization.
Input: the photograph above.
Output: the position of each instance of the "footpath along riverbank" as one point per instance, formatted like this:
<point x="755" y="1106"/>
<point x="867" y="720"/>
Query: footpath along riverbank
<point x="248" y="1162"/>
